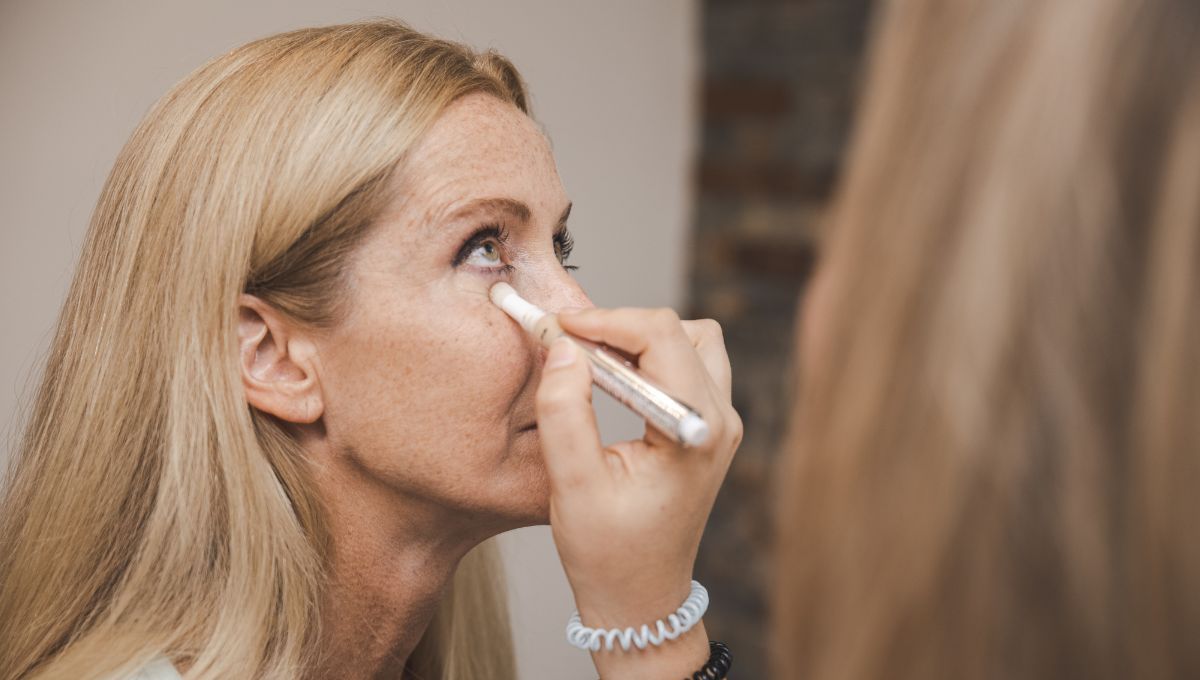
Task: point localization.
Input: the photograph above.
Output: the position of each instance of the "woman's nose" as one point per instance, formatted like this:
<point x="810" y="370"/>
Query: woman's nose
<point x="571" y="298"/>
<point x="557" y="292"/>
<point x="554" y="293"/>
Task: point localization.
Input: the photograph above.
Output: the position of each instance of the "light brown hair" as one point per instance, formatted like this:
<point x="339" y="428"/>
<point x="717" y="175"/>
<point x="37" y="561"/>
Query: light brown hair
<point x="993" y="468"/>
<point x="150" y="509"/>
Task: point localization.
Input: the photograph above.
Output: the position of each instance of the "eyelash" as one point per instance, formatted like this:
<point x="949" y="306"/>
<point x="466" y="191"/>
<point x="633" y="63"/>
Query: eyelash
<point x="566" y="244"/>
<point x="563" y="240"/>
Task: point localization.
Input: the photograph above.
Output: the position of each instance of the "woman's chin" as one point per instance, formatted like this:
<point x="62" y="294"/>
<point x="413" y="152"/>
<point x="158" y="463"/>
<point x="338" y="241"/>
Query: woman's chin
<point x="533" y="511"/>
<point x="535" y="505"/>
<point x="525" y="498"/>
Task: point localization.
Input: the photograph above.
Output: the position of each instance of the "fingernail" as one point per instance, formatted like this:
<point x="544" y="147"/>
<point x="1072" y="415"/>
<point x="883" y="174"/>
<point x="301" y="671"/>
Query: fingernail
<point x="562" y="353"/>
<point x="571" y="310"/>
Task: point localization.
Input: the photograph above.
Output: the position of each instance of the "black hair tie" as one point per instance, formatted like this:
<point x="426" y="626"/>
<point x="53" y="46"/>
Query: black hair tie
<point x="720" y="660"/>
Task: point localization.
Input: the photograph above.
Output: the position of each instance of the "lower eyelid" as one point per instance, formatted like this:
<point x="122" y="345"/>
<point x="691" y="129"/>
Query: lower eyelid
<point x="496" y="271"/>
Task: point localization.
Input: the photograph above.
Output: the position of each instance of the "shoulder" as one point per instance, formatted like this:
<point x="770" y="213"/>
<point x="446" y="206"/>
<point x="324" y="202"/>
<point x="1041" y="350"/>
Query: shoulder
<point x="158" y="669"/>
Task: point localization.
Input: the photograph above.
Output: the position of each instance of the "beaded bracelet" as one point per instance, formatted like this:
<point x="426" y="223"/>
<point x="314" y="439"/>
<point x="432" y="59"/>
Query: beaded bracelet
<point x="684" y="618"/>
<point x="720" y="660"/>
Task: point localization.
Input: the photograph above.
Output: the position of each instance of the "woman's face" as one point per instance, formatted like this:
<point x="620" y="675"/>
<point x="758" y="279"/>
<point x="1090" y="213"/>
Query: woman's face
<point x="428" y="388"/>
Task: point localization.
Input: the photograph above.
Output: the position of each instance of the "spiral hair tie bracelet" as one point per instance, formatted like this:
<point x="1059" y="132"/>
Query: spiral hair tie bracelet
<point x="684" y="618"/>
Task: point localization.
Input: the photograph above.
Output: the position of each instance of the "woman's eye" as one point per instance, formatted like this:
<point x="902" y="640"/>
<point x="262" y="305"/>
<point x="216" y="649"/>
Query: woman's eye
<point x="484" y="249"/>
<point x="485" y="254"/>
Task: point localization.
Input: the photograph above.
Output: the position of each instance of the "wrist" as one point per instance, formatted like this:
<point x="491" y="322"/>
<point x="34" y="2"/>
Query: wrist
<point x="675" y="658"/>
<point x="661" y="645"/>
<point x="606" y="612"/>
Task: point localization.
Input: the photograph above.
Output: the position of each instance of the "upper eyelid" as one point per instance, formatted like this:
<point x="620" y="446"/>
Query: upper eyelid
<point x="500" y="233"/>
<point x="493" y="231"/>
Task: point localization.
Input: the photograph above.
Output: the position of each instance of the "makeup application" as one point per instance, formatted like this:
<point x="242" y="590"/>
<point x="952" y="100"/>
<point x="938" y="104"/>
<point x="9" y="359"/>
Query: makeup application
<point x="610" y="371"/>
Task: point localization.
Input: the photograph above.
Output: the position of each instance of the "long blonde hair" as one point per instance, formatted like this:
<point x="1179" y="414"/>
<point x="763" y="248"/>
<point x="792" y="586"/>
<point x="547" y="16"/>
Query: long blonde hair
<point x="150" y="509"/>
<point x="994" y="466"/>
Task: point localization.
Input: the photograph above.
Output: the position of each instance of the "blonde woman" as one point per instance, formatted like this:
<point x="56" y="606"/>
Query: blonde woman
<point x="994" y="466"/>
<point x="280" y="419"/>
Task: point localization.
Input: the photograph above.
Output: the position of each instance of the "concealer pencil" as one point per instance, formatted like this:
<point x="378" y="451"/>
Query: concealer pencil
<point x="610" y="372"/>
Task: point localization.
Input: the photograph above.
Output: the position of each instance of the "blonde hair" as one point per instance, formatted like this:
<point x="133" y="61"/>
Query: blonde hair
<point x="994" y="462"/>
<point x="150" y="509"/>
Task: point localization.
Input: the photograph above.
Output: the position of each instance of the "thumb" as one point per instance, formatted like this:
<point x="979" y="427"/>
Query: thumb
<point x="566" y="421"/>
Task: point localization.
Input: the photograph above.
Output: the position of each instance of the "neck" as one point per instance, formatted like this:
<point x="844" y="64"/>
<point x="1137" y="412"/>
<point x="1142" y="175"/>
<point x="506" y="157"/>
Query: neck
<point x="392" y="559"/>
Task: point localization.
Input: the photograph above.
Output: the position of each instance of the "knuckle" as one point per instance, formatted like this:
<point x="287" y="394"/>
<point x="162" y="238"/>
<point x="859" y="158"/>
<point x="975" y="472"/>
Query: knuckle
<point x="734" y="428"/>
<point x="666" y="320"/>
<point x="666" y="315"/>
<point x="711" y="327"/>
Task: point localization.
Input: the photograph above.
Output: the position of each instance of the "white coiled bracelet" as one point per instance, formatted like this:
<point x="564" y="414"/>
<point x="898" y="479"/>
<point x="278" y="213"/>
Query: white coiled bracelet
<point x="684" y="618"/>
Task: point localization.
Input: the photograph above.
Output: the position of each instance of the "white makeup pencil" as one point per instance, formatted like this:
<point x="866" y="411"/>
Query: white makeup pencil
<point x="611" y="372"/>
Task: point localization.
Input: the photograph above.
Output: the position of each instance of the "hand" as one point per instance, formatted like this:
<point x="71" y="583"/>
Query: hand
<point x="627" y="519"/>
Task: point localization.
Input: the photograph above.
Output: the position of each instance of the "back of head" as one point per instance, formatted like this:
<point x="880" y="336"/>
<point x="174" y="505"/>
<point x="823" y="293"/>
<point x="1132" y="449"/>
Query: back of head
<point x="149" y="508"/>
<point x="992" y="468"/>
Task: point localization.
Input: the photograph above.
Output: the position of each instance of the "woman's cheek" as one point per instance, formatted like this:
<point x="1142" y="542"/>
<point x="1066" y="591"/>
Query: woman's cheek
<point x="507" y="367"/>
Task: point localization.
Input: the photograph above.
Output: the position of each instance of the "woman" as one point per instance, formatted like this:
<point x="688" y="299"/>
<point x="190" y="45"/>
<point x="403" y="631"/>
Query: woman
<point x="280" y="418"/>
<point x="994" y="464"/>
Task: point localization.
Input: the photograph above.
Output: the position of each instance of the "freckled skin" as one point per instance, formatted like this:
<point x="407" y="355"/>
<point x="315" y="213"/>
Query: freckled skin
<point x="410" y="411"/>
<point x="426" y="384"/>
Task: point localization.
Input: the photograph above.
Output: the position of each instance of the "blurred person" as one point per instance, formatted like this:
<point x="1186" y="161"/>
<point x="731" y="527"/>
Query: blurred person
<point x="280" y="419"/>
<point x="993" y="467"/>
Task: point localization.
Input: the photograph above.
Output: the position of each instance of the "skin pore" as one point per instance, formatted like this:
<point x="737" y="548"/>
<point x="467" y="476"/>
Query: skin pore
<point x="417" y="410"/>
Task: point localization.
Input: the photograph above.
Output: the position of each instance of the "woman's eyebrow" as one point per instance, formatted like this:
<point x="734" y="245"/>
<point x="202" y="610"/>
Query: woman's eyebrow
<point x="517" y="211"/>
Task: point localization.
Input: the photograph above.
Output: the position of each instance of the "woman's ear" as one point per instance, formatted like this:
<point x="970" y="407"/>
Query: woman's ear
<point x="278" y="364"/>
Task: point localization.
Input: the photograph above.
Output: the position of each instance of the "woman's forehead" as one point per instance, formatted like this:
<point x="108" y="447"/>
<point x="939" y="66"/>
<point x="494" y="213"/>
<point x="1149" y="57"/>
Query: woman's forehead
<point x="480" y="136"/>
<point x="480" y="146"/>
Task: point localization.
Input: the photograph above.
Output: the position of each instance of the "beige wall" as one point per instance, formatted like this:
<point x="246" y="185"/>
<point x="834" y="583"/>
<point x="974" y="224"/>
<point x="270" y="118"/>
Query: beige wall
<point x="612" y="82"/>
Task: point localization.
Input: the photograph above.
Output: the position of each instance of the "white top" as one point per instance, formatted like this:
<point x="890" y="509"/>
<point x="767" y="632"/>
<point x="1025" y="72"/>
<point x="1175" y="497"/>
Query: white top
<point x="158" y="669"/>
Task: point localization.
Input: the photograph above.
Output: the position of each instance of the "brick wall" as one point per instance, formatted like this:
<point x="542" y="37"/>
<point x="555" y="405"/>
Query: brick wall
<point x="779" y="85"/>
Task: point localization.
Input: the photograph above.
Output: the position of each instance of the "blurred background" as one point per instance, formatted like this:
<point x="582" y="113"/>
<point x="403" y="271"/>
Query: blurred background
<point x="778" y="83"/>
<point x="698" y="140"/>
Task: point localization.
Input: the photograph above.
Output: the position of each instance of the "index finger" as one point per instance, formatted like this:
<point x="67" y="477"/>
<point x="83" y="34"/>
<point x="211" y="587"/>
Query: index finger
<point x="655" y="336"/>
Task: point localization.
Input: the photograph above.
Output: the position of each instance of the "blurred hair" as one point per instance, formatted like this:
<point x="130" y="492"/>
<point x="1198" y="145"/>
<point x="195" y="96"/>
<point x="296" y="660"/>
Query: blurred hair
<point x="150" y="509"/>
<point x="993" y="467"/>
